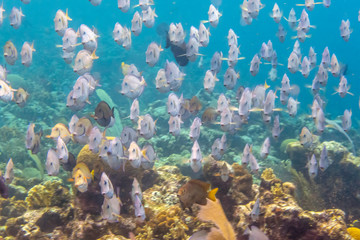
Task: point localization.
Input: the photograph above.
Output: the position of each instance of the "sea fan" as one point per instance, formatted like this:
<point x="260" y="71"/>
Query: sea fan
<point x="214" y="212"/>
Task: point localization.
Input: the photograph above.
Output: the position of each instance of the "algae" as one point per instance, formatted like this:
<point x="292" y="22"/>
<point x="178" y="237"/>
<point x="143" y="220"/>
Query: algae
<point x="117" y="128"/>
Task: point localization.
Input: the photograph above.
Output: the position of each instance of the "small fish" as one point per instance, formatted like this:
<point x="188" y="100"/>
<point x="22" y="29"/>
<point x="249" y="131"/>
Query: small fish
<point x="322" y="75"/>
<point x="61" y="150"/>
<point x="255" y="65"/>
<point x="312" y="58"/>
<point x="204" y="35"/>
<point x="293" y="62"/>
<point x="222" y="103"/>
<point x="194" y="33"/>
<point x="209" y="116"/>
<point x="346" y="120"/>
<point x="292" y="107"/>
<point x="265" y="148"/>
<point x="114" y="154"/>
<point x="247" y="152"/>
<point x="334" y="66"/>
<point x="176" y="34"/>
<point x="245" y="104"/>
<point x="216" y="62"/>
<point x="255" y="233"/>
<point x="246" y="19"/>
<point x="15" y="17"/>
<point x="161" y="82"/>
<point x="68" y="56"/>
<point x="253" y="8"/>
<point x="21" y="97"/>
<point x="118" y="33"/>
<point x="82" y="176"/>
<point x="82" y="131"/>
<point x="281" y="33"/>
<point x="272" y="75"/>
<point x="149" y="17"/>
<point x="104" y="115"/>
<point x="195" y="191"/>
<point x="52" y="163"/>
<point x="139" y="209"/>
<point x="10" y="53"/>
<point x="174" y="76"/>
<point x="255" y="212"/>
<point x="124" y="5"/>
<point x="195" y="129"/>
<point x="3" y="73"/>
<point x="145" y="4"/>
<point x="309" y="4"/>
<point x="254" y="166"/>
<point x="320" y="120"/>
<point x="304" y="22"/>
<point x="174" y="104"/>
<point x="223" y="145"/>
<point x="214" y="16"/>
<point x="326" y="3"/>
<point x="2" y="10"/>
<point x="72" y="123"/>
<point x="26" y="53"/>
<point x="60" y="130"/>
<point x="106" y="186"/>
<point x="9" y="171"/>
<point x="239" y="92"/>
<point x="230" y="78"/>
<point x="215" y="149"/>
<point x="135" y="154"/>
<point x="345" y="30"/>
<point x="292" y="19"/>
<point x="95" y="2"/>
<point x="232" y="38"/>
<point x="61" y="22"/>
<point x="175" y="125"/>
<point x="84" y="61"/>
<point x="276" y="13"/>
<point x="88" y="38"/>
<point x="127" y="136"/>
<point x="343" y="87"/>
<point x="136" y="24"/>
<point x="132" y="86"/>
<point x="325" y="60"/>
<point x="209" y="81"/>
<point x="269" y="103"/>
<point x="305" y="67"/>
<point x="194" y="105"/>
<point x="146" y="126"/>
<point x="306" y="137"/>
<point x="69" y="40"/>
<point x="110" y="209"/>
<point x="324" y="162"/>
<point x="192" y="49"/>
<point x="148" y="161"/>
<point x="153" y="54"/>
<point x="313" y="167"/>
<point x="196" y="157"/>
<point x="4" y="190"/>
<point x="33" y="140"/>
<point x="136" y="190"/>
<point x="225" y="172"/>
<point x="126" y="38"/>
<point x="95" y="138"/>
<point x="276" y="128"/>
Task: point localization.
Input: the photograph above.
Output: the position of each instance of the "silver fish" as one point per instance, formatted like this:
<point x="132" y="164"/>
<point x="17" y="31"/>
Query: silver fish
<point x="215" y="149"/>
<point x="127" y="136"/>
<point x="95" y="138"/>
<point x="230" y="78"/>
<point x="15" y="17"/>
<point x="196" y="157"/>
<point x="146" y="126"/>
<point x="255" y="65"/>
<point x="245" y="159"/>
<point x="9" y="171"/>
<point x="325" y="60"/>
<point x="132" y="87"/>
<point x="149" y="17"/>
<point x="61" y="150"/>
<point x="276" y="13"/>
<point x="174" y="104"/>
<point x="148" y="161"/>
<point x="88" y="38"/>
<point x="345" y="30"/>
<point x="110" y="209"/>
<point x="107" y="189"/>
<point x="265" y="148"/>
<point x="124" y="5"/>
<point x="195" y="129"/>
<point x="216" y="62"/>
<point x="313" y="167"/>
<point x="61" y="22"/>
<point x="346" y="120"/>
<point x="52" y="163"/>
<point x="209" y="81"/>
<point x="204" y="34"/>
<point x="324" y="162"/>
<point x="136" y="24"/>
<point x="276" y="127"/>
<point x="161" y="82"/>
<point x="175" y="125"/>
<point x="134" y="110"/>
<point x="214" y="16"/>
<point x="152" y="54"/>
<point x="255" y="212"/>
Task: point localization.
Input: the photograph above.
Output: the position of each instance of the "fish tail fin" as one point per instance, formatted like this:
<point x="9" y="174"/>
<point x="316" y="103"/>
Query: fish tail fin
<point x="92" y="174"/>
<point x="204" y="21"/>
<point x="143" y="152"/>
<point x="300" y="5"/>
<point x="93" y="55"/>
<point x="211" y="194"/>
<point x="266" y="86"/>
<point x="59" y="46"/>
<point x="21" y="13"/>
<point x="32" y="47"/>
<point x="67" y="16"/>
<point x="155" y="15"/>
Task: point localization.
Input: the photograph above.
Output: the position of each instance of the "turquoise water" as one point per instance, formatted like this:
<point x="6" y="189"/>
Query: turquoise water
<point x="49" y="79"/>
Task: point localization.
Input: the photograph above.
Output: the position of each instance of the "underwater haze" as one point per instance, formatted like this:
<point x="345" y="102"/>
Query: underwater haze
<point x="157" y="119"/>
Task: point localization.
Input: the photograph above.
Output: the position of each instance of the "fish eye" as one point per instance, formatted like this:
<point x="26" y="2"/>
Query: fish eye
<point x="59" y="19"/>
<point x="105" y="147"/>
<point x="105" y="182"/>
<point x="125" y="84"/>
<point x="133" y="150"/>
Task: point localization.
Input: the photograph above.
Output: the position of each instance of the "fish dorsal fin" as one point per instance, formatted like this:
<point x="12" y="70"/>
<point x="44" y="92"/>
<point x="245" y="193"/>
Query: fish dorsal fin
<point x="203" y="185"/>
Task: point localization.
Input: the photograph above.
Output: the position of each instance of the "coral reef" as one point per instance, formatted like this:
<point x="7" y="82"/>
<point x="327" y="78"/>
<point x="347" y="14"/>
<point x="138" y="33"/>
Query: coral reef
<point x="47" y="194"/>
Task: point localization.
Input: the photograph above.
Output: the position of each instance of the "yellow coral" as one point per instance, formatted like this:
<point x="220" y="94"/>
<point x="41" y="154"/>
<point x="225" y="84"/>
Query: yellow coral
<point x="354" y="232"/>
<point x="277" y="190"/>
<point x="214" y="212"/>
<point x="268" y="174"/>
<point x="50" y="193"/>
